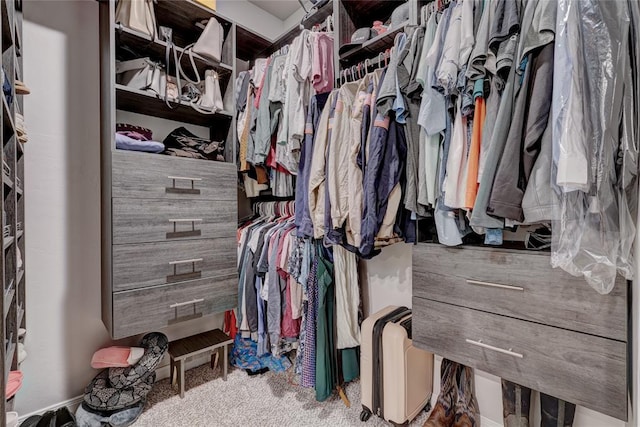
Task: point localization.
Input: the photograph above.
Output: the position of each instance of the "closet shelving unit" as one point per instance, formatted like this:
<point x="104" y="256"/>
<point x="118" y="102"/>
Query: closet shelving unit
<point x="168" y="223"/>
<point x="12" y="156"/>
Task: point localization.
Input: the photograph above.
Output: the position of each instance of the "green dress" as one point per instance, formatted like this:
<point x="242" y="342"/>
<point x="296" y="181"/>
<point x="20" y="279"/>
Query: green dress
<point x="326" y="362"/>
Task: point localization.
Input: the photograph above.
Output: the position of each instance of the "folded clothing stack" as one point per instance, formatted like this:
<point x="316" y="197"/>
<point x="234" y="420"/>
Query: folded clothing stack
<point x="14" y="383"/>
<point x="116" y="396"/>
<point x="182" y="143"/>
<point x="21" y="129"/>
<point x="136" y="138"/>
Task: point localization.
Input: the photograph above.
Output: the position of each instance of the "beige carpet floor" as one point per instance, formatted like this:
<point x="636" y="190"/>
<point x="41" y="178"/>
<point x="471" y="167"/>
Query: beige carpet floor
<point x="264" y="400"/>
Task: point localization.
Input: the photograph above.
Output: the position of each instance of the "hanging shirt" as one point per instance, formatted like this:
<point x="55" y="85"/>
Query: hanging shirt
<point x="317" y="175"/>
<point x="302" y="215"/>
<point x="347" y="298"/>
<point x="322" y="69"/>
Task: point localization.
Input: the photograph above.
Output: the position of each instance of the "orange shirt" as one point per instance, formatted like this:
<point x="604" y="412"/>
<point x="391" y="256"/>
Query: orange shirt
<point x="474" y="153"/>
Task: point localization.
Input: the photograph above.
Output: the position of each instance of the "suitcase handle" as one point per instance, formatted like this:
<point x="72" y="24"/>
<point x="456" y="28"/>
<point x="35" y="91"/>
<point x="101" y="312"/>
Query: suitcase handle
<point x="479" y="343"/>
<point x="495" y="285"/>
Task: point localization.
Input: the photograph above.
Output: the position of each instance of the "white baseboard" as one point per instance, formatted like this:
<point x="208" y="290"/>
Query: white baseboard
<point x="161" y="373"/>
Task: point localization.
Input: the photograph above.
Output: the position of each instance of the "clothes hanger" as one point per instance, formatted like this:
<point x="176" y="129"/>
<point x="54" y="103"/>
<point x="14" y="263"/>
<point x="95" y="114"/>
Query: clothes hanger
<point x="381" y="58"/>
<point x="367" y="65"/>
<point x="328" y="24"/>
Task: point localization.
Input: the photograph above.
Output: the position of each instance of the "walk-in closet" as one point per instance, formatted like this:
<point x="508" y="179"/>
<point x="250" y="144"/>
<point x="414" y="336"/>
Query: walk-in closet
<point x="320" y="213"/>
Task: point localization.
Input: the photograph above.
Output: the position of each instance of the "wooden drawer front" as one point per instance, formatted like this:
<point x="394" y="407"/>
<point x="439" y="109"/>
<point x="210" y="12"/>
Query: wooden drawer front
<point x="161" y="220"/>
<point x="517" y="284"/>
<point x="152" y="264"/>
<point x="144" y="310"/>
<point x="579" y="368"/>
<point x="151" y="176"/>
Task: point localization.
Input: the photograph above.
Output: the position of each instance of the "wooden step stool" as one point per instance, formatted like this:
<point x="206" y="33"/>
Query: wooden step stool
<point x="182" y="349"/>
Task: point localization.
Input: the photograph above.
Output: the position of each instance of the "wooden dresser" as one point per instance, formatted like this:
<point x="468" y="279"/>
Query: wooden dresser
<point x="168" y="223"/>
<point x="173" y="253"/>
<point x="507" y="312"/>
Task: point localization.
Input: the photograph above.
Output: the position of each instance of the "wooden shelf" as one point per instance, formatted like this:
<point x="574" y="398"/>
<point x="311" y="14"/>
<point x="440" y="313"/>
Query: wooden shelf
<point x="182" y="16"/>
<point x="20" y="315"/>
<point x="8" y="241"/>
<point x="12" y="296"/>
<point x="362" y="13"/>
<point x="7" y="181"/>
<point x="8" y="299"/>
<point x="18" y="41"/>
<point x="142" y="43"/>
<point x="8" y="358"/>
<point x="9" y="128"/>
<point x="7" y="28"/>
<point x="16" y="66"/>
<point x="371" y="47"/>
<point x="141" y="102"/>
<point x="249" y="45"/>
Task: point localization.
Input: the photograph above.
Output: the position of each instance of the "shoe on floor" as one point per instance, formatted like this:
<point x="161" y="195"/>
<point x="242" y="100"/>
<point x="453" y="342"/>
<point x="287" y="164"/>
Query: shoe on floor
<point x="32" y="421"/>
<point x="64" y="418"/>
<point x="21" y="88"/>
<point x="443" y="413"/>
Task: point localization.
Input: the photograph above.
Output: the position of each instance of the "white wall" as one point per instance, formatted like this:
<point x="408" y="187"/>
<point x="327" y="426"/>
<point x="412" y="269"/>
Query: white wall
<point x="252" y="17"/>
<point x="387" y="281"/>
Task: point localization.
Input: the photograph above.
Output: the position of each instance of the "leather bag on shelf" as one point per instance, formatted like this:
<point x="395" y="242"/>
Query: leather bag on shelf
<point x="209" y="44"/>
<point x="138" y="15"/>
<point x="141" y="74"/>
<point x="210" y="94"/>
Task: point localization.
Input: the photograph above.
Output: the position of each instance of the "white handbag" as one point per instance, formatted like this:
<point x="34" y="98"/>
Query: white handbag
<point x="209" y="44"/>
<point x="137" y="15"/>
<point x="141" y="74"/>
<point x="210" y="100"/>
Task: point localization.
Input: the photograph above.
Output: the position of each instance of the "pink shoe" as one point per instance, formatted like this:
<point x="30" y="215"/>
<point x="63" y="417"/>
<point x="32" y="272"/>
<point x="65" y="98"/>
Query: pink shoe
<point x="116" y="357"/>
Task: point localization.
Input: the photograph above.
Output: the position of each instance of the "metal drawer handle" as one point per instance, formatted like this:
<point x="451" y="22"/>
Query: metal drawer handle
<point x="185" y="275"/>
<point x="185" y="261"/>
<point x="495" y="285"/>
<point x="182" y="304"/>
<point x="181" y="190"/>
<point x="194" y="315"/>
<point x="175" y="234"/>
<point x="183" y="178"/>
<point x="479" y="343"/>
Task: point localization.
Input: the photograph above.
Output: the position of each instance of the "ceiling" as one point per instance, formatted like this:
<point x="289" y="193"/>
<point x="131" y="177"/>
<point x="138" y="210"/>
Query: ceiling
<point x="279" y="8"/>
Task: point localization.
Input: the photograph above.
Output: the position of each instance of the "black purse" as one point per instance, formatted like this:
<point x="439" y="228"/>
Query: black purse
<point x="182" y="143"/>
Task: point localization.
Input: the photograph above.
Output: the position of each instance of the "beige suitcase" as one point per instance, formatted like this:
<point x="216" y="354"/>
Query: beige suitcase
<point x="396" y="377"/>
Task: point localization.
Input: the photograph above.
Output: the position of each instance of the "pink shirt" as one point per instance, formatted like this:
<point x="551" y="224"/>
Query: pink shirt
<point x="322" y="67"/>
